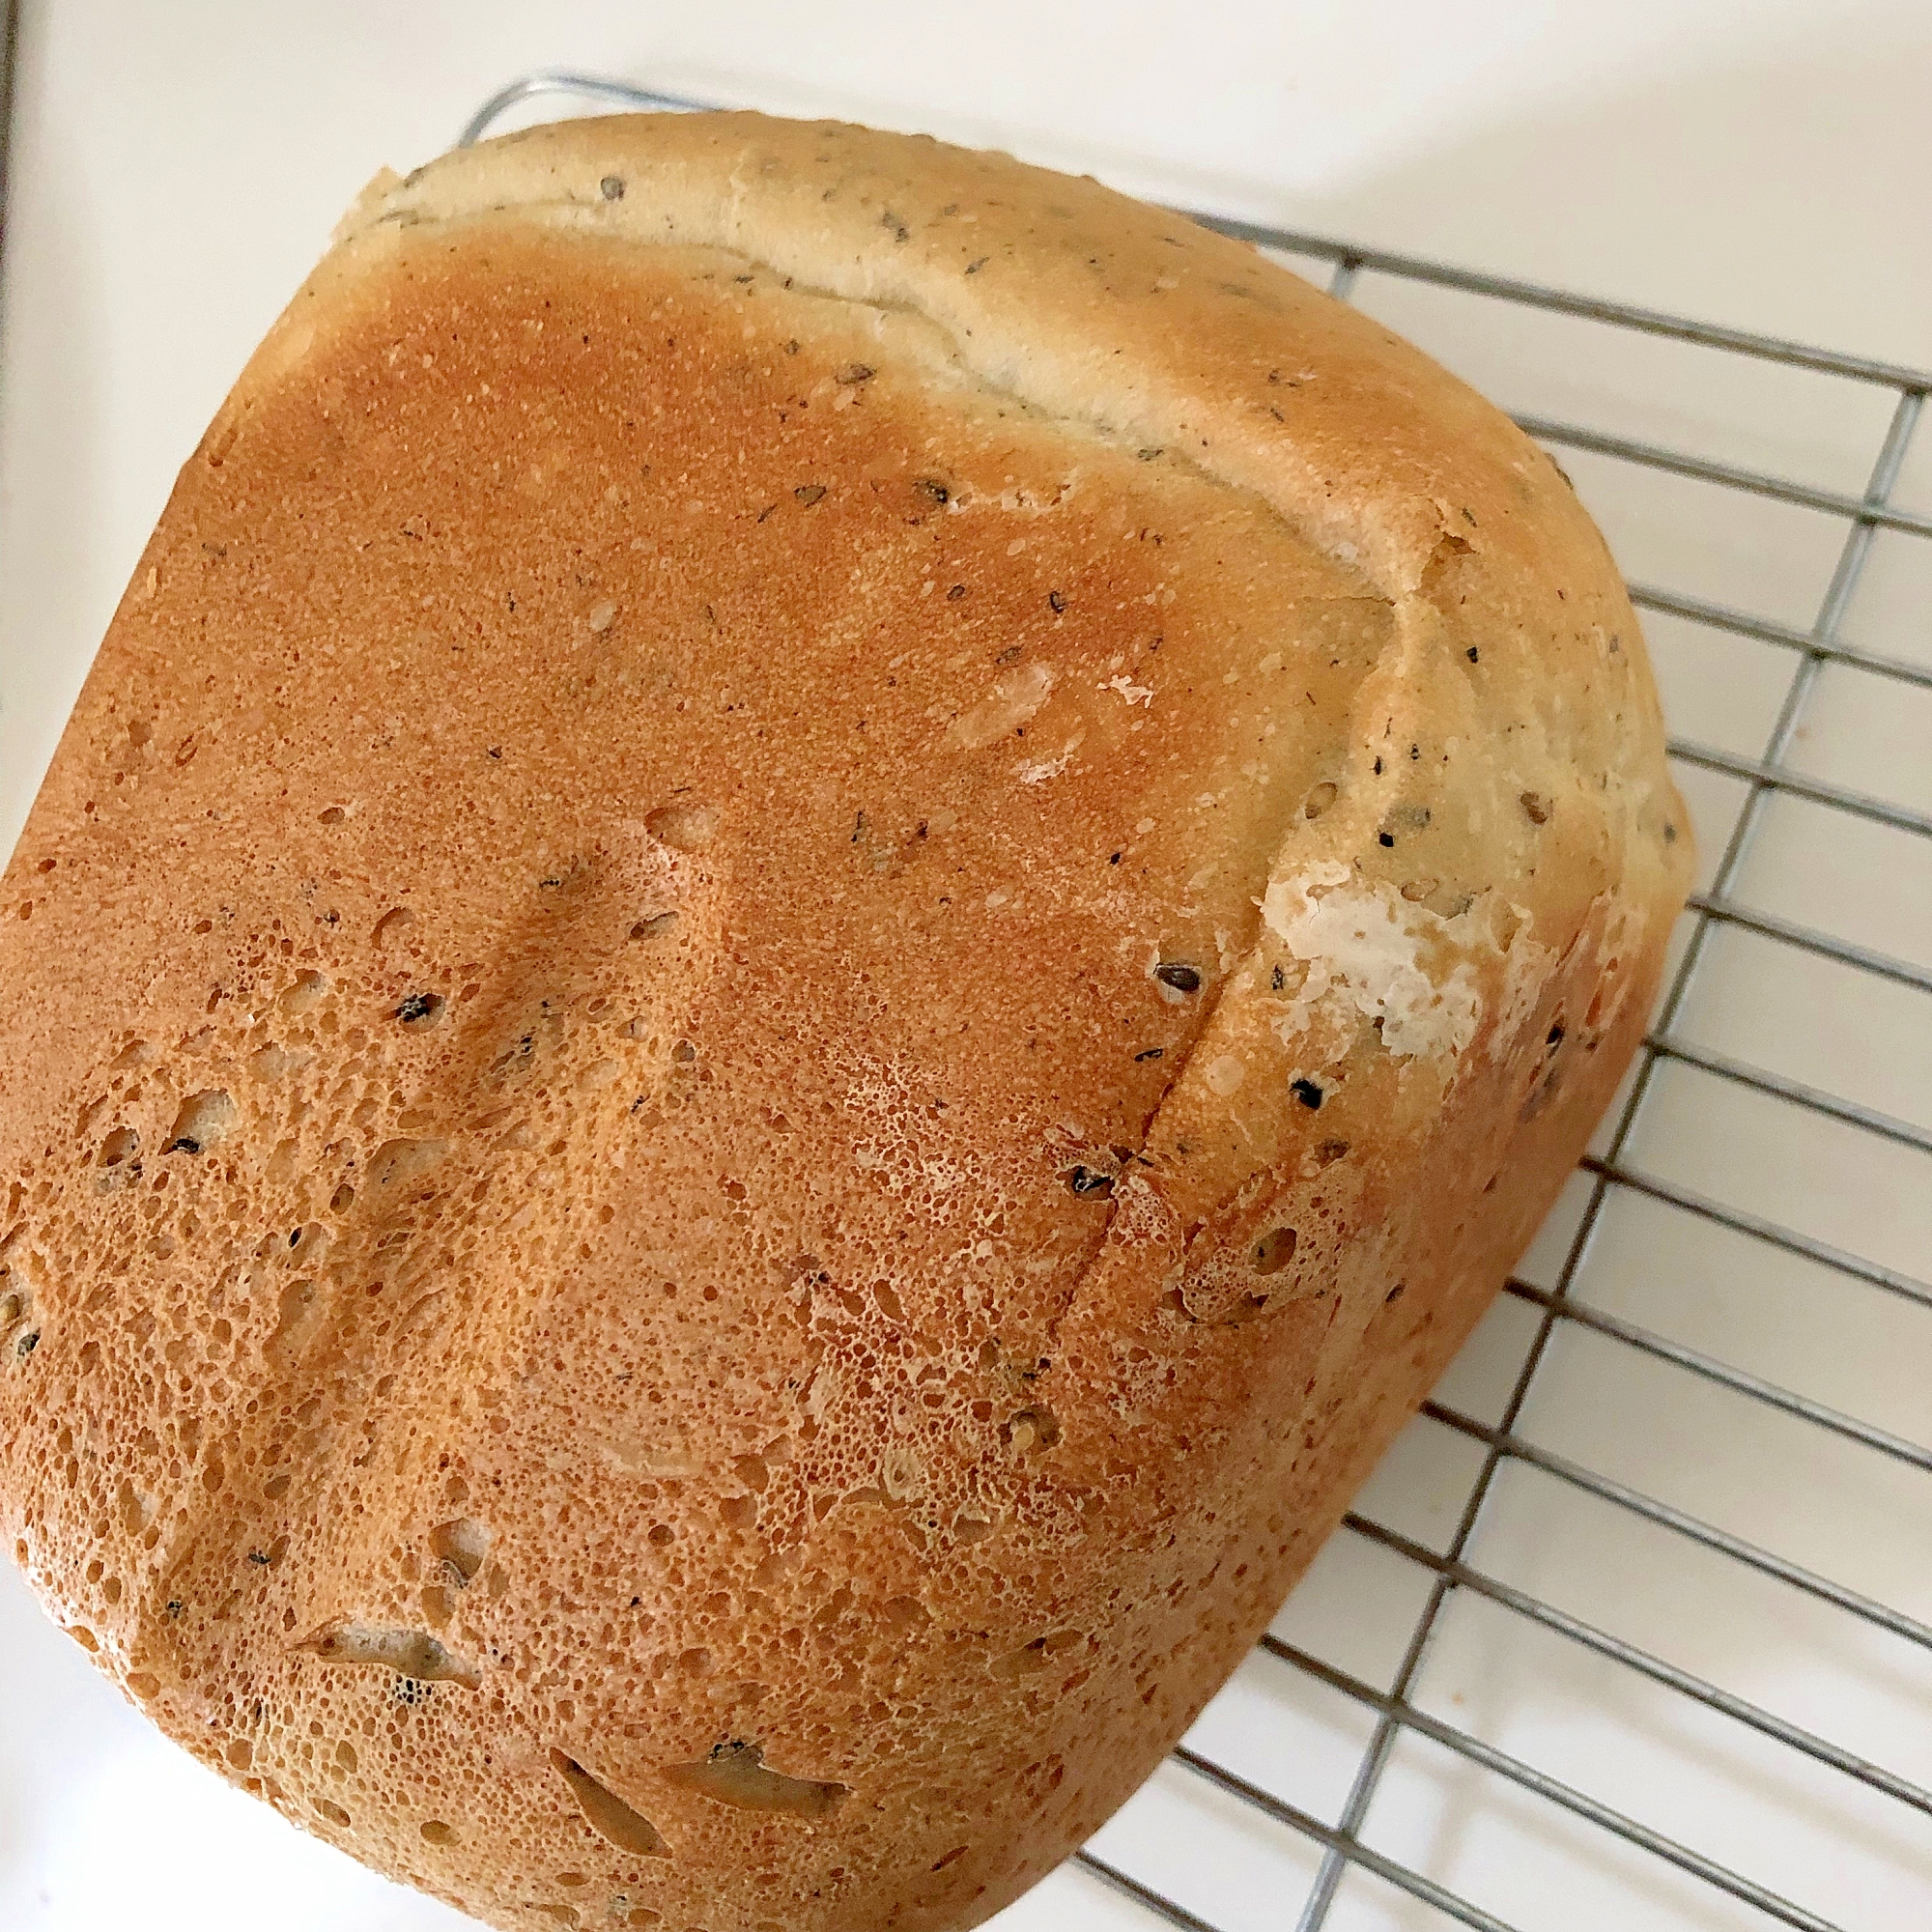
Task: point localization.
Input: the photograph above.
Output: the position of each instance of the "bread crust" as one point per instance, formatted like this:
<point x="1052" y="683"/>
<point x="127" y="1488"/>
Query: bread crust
<point x="824" y="913"/>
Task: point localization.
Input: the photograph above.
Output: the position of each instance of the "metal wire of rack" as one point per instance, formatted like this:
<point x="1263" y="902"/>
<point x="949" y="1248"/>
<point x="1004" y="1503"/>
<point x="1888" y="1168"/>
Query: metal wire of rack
<point x="1554" y="1308"/>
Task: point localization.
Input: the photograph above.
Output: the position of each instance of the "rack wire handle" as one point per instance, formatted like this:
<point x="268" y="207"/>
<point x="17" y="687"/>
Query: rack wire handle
<point x="563" y="80"/>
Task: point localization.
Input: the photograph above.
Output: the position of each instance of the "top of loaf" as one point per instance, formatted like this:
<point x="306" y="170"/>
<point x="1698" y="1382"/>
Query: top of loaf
<point x="1501" y="634"/>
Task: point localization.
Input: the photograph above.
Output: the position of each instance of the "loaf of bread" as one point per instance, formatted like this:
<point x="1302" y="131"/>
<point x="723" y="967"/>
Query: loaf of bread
<point x="825" y="910"/>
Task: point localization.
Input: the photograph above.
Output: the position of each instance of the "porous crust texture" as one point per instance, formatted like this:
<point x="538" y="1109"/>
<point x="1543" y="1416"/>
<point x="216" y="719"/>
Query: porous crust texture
<point x="825" y="910"/>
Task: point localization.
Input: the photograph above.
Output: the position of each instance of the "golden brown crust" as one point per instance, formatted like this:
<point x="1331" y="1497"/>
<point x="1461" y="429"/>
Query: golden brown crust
<point x="825" y="911"/>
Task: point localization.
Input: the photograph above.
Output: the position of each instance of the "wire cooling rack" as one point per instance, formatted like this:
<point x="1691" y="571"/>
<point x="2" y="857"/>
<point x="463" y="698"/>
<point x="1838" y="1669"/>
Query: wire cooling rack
<point x="1633" y="1627"/>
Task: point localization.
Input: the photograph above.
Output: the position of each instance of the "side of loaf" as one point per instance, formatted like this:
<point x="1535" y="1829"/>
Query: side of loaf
<point x="823" y="914"/>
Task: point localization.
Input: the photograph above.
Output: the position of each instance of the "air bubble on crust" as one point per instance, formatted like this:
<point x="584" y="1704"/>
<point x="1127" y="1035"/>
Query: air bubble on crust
<point x="1034" y="1655"/>
<point x="1274" y="1251"/>
<point x="606" y="1814"/>
<point x="203" y="1119"/>
<point x="411" y="1654"/>
<point x="461" y="1545"/>
<point x="737" y="1774"/>
<point x="1036" y="1428"/>
<point x="304" y="993"/>
<point x="271" y="1062"/>
<point x="971" y="1526"/>
<point x="1177" y="980"/>
<point x="402" y="1160"/>
<point x="1015" y="697"/>
<point x="419" y="1011"/>
<point x="685" y="827"/>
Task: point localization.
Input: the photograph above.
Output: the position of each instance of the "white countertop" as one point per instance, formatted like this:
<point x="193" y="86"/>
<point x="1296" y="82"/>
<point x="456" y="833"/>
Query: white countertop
<point x="1753" y="161"/>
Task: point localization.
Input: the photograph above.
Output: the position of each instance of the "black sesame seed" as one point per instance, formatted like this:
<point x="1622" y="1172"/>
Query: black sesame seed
<point x="1472" y="654"/>
<point x="1386" y="837"/>
<point x="611" y="187"/>
<point x="1056" y="601"/>
<point x="1182" y="979"/>
<point x="1151" y="1053"/>
<point x="1307" y="1093"/>
<point x="186" y="1144"/>
<point x="1553" y="1037"/>
<point x="417" y="1007"/>
<point x="1085" y="1181"/>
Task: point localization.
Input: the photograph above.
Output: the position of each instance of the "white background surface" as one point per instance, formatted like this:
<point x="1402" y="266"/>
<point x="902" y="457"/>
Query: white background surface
<point x="1761" y="162"/>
